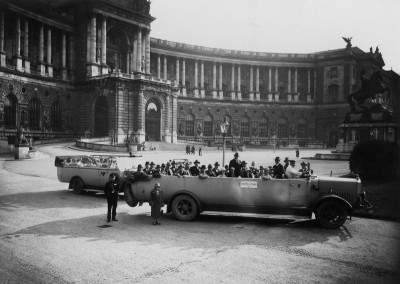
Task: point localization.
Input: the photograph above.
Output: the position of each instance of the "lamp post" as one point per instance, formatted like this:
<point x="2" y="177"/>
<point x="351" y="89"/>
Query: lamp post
<point x="224" y="130"/>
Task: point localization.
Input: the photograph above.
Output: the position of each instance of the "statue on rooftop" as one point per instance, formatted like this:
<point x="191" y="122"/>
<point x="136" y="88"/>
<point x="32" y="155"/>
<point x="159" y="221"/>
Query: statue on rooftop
<point x="348" y="41"/>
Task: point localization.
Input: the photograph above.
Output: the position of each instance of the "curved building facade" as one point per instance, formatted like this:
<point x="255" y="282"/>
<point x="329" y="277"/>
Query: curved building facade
<point x="73" y="68"/>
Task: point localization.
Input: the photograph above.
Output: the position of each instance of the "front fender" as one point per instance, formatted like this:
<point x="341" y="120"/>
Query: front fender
<point x="324" y="198"/>
<point x="191" y="194"/>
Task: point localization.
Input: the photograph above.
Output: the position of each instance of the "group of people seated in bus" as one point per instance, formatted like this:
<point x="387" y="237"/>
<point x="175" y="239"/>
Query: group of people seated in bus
<point x="236" y="168"/>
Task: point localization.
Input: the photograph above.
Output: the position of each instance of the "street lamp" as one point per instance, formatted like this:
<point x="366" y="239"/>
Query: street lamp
<point x="224" y="130"/>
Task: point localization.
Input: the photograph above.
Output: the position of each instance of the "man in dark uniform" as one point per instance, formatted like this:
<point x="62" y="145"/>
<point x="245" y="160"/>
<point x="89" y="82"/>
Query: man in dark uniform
<point x="111" y="192"/>
<point x="194" y="170"/>
<point x="305" y="173"/>
<point x="278" y="168"/>
<point x="235" y="163"/>
<point x="216" y="170"/>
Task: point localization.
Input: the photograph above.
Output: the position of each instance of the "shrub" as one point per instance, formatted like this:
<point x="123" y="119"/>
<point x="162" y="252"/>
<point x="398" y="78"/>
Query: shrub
<point x="375" y="159"/>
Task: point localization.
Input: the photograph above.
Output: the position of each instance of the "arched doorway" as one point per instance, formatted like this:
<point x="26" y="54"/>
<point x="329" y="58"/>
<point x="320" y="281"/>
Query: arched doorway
<point x="153" y="121"/>
<point x="333" y="139"/>
<point x="101" y="117"/>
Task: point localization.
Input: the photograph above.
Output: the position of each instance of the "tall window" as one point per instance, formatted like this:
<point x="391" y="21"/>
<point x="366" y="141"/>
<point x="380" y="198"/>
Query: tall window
<point x="333" y="91"/>
<point x="301" y="128"/>
<point x="264" y="127"/>
<point x="244" y="127"/>
<point x="34" y="113"/>
<point x="10" y="112"/>
<point x="56" y="116"/>
<point x="282" y="127"/>
<point x="189" y="129"/>
<point x="208" y="126"/>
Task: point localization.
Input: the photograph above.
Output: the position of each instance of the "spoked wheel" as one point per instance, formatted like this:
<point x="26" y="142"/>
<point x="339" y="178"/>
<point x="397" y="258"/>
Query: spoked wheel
<point x="331" y="214"/>
<point x="77" y="185"/>
<point x="184" y="208"/>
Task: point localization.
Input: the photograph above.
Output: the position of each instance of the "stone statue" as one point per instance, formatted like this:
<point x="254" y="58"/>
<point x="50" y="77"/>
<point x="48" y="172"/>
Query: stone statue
<point x="348" y="41"/>
<point x="20" y="139"/>
<point x="142" y="64"/>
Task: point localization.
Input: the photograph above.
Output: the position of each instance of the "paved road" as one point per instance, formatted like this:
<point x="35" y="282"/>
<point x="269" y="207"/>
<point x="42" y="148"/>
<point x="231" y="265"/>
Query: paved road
<point x="50" y="235"/>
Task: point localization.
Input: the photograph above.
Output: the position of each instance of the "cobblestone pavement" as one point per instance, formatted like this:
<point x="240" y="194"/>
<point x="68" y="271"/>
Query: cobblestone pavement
<point x="50" y="235"/>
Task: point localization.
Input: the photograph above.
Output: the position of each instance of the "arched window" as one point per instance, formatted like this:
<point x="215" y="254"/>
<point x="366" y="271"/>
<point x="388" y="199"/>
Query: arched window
<point x="282" y="128"/>
<point x="333" y="91"/>
<point x="301" y="128"/>
<point x="34" y="114"/>
<point x="10" y="112"/>
<point x="244" y="127"/>
<point x="56" y="116"/>
<point x="189" y="129"/>
<point x="208" y="126"/>
<point x="264" y="127"/>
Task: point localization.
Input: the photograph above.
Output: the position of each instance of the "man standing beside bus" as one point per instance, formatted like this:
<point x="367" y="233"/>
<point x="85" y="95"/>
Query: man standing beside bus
<point x="111" y="192"/>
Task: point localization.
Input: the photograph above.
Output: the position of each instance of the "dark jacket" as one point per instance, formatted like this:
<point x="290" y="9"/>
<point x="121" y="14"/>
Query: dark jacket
<point x="278" y="170"/>
<point x="237" y="165"/>
<point x="156" y="202"/>
<point x="111" y="189"/>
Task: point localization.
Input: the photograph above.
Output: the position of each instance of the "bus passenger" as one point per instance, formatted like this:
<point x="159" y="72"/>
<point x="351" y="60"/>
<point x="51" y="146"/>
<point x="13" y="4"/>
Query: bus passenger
<point x="210" y="172"/>
<point x="194" y="170"/>
<point x="278" y="168"/>
<point x="291" y="172"/>
<point x="216" y="170"/>
<point x="202" y="173"/>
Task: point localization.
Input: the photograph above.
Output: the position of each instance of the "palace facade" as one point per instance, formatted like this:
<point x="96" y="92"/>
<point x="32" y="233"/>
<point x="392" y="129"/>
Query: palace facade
<point x="71" y="68"/>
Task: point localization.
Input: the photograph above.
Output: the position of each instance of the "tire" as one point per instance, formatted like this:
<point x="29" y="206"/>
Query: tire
<point x="130" y="200"/>
<point x="184" y="208"/>
<point x="331" y="214"/>
<point x="77" y="185"/>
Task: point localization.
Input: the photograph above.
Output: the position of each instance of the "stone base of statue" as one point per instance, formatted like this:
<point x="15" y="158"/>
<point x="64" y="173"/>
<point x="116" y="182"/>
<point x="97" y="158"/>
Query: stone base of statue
<point x="21" y="152"/>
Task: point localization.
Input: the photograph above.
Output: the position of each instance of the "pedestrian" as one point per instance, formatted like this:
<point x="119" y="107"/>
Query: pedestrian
<point x="235" y="163"/>
<point x="193" y="150"/>
<point x="200" y="151"/>
<point x="278" y="170"/>
<point x="111" y="192"/>
<point x="156" y="202"/>
<point x="297" y="153"/>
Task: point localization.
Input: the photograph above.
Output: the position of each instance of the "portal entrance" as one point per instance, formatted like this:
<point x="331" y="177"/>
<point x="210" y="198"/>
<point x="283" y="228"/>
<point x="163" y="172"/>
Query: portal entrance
<point x="333" y="139"/>
<point x="153" y="121"/>
<point x="101" y="117"/>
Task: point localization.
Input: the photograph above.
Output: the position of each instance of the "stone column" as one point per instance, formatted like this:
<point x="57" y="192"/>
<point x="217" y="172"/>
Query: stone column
<point x="127" y="67"/>
<point x="177" y="71"/>
<point x="139" y="67"/>
<point x="196" y="80"/>
<point x="148" y="52"/>
<point x="104" y="67"/>
<point x="41" y="68"/>
<point x="165" y="67"/>
<point x="134" y="52"/>
<point x="72" y="57"/>
<point x="49" y="65"/>
<point x="140" y="131"/>
<point x="92" y="65"/>
<point x="17" y="59"/>
<point x="233" y="82"/>
<point x="27" y="62"/>
<point x="214" y="87"/>
<point x="167" y="116"/>
<point x="221" y="92"/>
<point x="251" y="94"/>
<point x="309" y="96"/>
<point x="88" y="32"/>
<point x="2" y="52"/>
<point x="276" y="85"/>
<point x="174" y="113"/>
<point x="289" y="87"/>
<point x="184" y="77"/>
<point x="269" y="80"/>
<point x="239" y="94"/>
<point x="258" y="83"/>
<point x="202" y="91"/>
<point x="158" y="66"/>
<point x="64" y="57"/>
<point x="315" y="83"/>
<point x="296" y="95"/>
<point x="93" y="42"/>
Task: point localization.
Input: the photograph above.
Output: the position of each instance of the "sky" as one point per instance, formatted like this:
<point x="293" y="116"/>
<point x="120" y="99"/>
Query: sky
<point x="286" y="26"/>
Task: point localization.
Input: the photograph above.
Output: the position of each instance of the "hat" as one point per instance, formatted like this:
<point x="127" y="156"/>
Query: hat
<point x="157" y="184"/>
<point x="139" y="166"/>
<point x="173" y="163"/>
<point x="163" y="165"/>
<point x="196" y="162"/>
<point x="243" y="163"/>
<point x="261" y="167"/>
<point x="286" y="159"/>
<point x="292" y="161"/>
<point x="158" y="166"/>
<point x="253" y="164"/>
<point x="203" y="166"/>
<point x="147" y="163"/>
<point x="113" y="175"/>
<point x="152" y="164"/>
<point x="216" y="164"/>
<point x="303" y="163"/>
<point x="277" y="159"/>
<point x="236" y="154"/>
<point x="209" y="166"/>
<point x="168" y="164"/>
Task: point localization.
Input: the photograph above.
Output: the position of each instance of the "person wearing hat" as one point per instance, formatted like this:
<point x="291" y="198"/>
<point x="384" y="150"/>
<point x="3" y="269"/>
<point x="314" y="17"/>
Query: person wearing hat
<point x="235" y="163"/>
<point x="194" y="170"/>
<point x="187" y="169"/>
<point x="278" y="170"/>
<point x="216" y="170"/>
<point x="202" y="173"/>
<point x="162" y="170"/>
<point x="156" y="202"/>
<point x="111" y="192"/>
<point x="210" y="171"/>
<point x="168" y="170"/>
<point x="180" y="171"/>
<point x="173" y="167"/>
<point x="146" y="167"/>
<point x="305" y="173"/>
<point x="286" y="161"/>
<point x="291" y="172"/>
